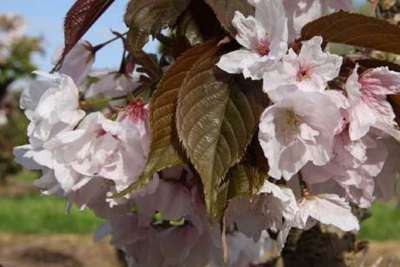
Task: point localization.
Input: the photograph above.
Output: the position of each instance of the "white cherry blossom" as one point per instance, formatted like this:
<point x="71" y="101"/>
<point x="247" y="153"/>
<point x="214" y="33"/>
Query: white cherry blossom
<point x="78" y="62"/>
<point x="327" y="209"/>
<point x="112" y="83"/>
<point x="354" y="168"/>
<point x="100" y="147"/>
<point x="293" y="134"/>
<point x="263" y="37"/>
<point x="308" y="71"/>
<point x="51" y="103"/>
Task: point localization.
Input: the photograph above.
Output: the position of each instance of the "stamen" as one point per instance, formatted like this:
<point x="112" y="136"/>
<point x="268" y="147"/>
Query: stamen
<point x="136" y="110"/>
<point x="263" y="47"/>
<point x="303" y="74"/>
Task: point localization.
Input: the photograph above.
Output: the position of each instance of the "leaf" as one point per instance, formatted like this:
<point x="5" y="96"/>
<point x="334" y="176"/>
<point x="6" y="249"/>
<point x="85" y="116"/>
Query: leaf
<point x="148" y="63"/>
<point x="215" y="123"/>
<point x="376" y="63"/>
<point x="198" y="23"/>
<point x="82" y="15"/>
<point x="148" y="17"/>
<point x="225" y="11"/>
<point x="164" y="142"/>
<point x="357" y="30"/>
<point x="247" y="177"/>
<point x="163" y="105"/>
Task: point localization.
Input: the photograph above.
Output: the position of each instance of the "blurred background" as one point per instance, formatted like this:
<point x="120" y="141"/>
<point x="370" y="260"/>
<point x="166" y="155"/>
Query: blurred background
<point x="35" y="231"/>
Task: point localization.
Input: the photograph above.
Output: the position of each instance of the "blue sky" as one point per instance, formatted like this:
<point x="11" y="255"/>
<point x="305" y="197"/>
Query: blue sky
<point x="45" y="19"/>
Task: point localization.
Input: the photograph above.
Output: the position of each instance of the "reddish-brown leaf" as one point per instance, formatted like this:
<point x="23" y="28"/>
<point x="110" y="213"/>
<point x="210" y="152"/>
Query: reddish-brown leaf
<point x="357" y="30"/>
<point x="225" y="11"/>
<point x="82" y="15"/>
<point x="149" y="17"/>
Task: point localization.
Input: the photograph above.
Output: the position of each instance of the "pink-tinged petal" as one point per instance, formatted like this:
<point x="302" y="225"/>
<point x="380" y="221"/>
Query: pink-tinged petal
<point x="246" y="30"/>
<point x="310" y="71"/>
<point x="287" y="143"/>
<point x="292" y="159"/>
<point x="238" y="61"/>
<point x="329" y="209"/>
<point x="381" y="81"/>
<point x="78" y="62"/>
<point x="362" y="118"/>
<point x="112" y="84"/>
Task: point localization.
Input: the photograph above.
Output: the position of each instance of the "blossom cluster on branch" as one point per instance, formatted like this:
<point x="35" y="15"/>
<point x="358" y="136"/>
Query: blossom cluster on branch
<point x="192" y="168"/>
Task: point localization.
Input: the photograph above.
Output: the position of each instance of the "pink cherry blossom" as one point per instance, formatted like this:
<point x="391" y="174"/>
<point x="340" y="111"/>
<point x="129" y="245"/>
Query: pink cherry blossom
<point x="293" y="134"/>
<point x="78" y="62"/>
<point x="263" y="37"/>
<point x="150" y="242"/>
<point x="267" y="211"/>
<point x="101" y="147"/>
<point x="354" y="168"/>
<point x="369" y="108"/>
<point x="112" y="83"/>
<point x="309" y="71"/>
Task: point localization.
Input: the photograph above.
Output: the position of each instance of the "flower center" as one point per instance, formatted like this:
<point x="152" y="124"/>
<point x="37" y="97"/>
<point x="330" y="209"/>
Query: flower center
<point x="291" y="119"/>
<point x="101" y="132"/>
<point x="263" y="47"/>
<point x="136" y="111"/>
<point x="303" y="74"/>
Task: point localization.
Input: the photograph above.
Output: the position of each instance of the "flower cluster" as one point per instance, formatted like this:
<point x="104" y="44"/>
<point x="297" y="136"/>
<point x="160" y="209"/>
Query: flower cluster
<point x="332" y="143"/>
<point x="328" y="145"/>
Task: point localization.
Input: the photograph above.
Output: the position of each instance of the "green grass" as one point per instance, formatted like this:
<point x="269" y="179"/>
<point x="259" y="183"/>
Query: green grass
<point x="25" y="175"/>
<point x="384" y="224"/>
<point x="43" y="215"/>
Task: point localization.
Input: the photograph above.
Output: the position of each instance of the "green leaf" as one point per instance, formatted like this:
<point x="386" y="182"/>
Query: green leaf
<point x="357" y="30"/>
<point x="225" y="11"/>
<point x="148" y="17"/>
<point x="215" y="123"/>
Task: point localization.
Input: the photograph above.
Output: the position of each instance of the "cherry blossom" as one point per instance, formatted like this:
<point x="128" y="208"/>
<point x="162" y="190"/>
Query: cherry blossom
<point x="101" y="147"/>
<point x="52" y="105"/>
<point x="309" y="71"/>
<point x="171" y="232"/>
<point x="369" y="108"/>
<point x="268" y="210"/>
<point x="354" y="168"/>
<point x="112" y="83"/>
<point x="328" y="209"/>
<point x="78" y="62"/>
<point x="293" y="134"/>
<point x="263" y="37"/>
